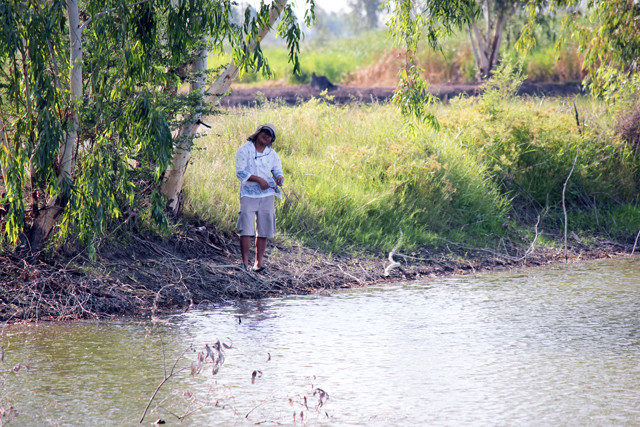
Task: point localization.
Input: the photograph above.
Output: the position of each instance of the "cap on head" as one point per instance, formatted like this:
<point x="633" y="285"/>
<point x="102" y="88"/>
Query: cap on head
<point x="268" y="127"/>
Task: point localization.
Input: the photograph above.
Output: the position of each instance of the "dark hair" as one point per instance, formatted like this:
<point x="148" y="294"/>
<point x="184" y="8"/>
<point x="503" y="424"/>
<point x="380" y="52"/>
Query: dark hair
<point x="253" y="137"/>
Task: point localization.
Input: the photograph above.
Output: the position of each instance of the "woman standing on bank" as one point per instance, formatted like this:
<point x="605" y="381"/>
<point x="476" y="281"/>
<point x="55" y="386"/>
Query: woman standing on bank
<point x="259" y="169"/>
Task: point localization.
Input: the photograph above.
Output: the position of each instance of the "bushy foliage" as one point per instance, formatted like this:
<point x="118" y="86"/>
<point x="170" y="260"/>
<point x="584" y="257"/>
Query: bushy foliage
<point x="340" y="59"/>
<point x="529" y="148"/>
<point x="85" y="143"/>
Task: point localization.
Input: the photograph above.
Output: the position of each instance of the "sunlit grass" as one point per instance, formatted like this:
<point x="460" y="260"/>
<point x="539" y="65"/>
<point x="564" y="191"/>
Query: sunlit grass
<point x="355" y="177"/>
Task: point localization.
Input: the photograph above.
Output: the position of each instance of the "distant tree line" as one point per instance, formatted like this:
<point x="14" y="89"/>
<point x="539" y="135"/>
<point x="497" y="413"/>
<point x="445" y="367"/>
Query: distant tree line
<point x="609" y="37"/>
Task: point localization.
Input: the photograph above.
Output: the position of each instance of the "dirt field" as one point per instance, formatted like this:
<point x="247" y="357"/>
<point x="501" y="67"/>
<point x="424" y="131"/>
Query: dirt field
<point x="292" y="95"/>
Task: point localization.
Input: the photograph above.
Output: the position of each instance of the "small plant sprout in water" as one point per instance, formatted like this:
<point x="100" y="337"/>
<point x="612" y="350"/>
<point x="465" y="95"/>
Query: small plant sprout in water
<point x="210" y="355"/>
<point x="302" y="411"/>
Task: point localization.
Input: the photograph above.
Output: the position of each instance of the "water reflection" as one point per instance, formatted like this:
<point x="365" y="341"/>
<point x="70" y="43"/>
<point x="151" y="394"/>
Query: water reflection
<point x="557" y="346"/>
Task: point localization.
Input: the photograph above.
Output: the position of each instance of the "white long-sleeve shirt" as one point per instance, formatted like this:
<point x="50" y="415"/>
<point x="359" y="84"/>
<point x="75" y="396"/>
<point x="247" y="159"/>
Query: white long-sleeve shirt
<point x="266" y="165"/>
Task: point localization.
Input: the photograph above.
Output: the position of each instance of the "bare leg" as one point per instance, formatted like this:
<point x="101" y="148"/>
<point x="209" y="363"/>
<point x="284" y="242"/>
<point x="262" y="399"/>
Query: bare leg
<point x="261" y="246"/>
<point x="245" y="245"/>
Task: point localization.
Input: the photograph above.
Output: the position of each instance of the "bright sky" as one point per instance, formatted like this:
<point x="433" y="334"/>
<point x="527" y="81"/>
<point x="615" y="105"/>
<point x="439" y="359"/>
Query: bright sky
<point x="328" y="5"/>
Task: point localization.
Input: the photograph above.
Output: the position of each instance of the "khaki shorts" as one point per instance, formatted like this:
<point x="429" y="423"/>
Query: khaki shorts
<point x="260" y="210"/>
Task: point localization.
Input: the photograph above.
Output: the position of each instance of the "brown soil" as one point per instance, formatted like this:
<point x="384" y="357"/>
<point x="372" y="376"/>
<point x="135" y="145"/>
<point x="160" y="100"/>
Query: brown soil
<point x="292" y="95"/>
<point x="199" y="266"/>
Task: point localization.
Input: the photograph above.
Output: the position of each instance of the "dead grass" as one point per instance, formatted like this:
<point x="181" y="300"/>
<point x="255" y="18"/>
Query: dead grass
<point x="383" y="73"/>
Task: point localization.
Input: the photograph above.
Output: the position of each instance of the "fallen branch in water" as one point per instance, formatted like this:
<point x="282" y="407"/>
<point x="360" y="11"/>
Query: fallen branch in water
<point x="564" y="208"/>
<point x="394" y="264"/>
<point x="165" y="379"/>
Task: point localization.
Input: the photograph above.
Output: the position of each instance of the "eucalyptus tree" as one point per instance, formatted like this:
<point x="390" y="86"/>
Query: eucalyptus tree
<point x="610" y="40"/>
<point x="38" y="117"/>
<point x="486" y="38"/>
<point x="609" y="37"/>
<point x="247" y="55"/>
<point x="86" y="106"/>
<point x="410" y="20"/>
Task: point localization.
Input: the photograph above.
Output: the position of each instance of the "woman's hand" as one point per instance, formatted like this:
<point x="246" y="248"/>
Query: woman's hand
<point x="280" y="180"/>
<point x="263" y="184"/>
<point x="261" y="181"/>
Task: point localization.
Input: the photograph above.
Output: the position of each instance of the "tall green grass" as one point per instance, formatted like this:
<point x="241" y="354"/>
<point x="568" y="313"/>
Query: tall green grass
<point x="355" y="177"/>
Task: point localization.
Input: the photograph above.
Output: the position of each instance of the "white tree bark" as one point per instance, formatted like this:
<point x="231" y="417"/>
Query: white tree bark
<point x="497" y="40"/>
<point x="4" y="145"/>
<point x="479" y="49"/>
<point x="230" y="74"/>
<point x="487" y="20"/>
<point x="172" y="187"/>
<point x="486" y="46"/>
<point x="67" y="154"/>
<point x="47" y="219"/>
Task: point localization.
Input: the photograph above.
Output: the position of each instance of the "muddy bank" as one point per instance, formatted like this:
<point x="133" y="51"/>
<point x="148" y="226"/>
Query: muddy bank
<point x="292" y="95"/>
<point x="198" y="266"/>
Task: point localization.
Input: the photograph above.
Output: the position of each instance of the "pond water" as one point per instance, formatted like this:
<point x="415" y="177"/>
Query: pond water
<point x="543" y="347"/>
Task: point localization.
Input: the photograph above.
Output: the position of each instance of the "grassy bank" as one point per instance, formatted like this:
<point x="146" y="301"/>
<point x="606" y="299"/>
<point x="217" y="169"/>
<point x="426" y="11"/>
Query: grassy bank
<point x="356" y="177"/>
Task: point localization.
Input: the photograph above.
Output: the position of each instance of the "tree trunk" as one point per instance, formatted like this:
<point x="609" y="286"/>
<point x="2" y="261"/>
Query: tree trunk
<point x="4" y="145"/>
<point x="172" y="188"/>
<point x="487" y="20"/>
<point x="47" y="218"/>
<point x="497" y="41"/>
<point x="371" y="8"/>
<point x="479" y="49"/>
<point x="223" y="82"/>
<point x="486" y="47"/>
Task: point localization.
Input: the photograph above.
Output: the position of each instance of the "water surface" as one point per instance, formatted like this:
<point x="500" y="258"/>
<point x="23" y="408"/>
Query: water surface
<point x="554" y="346"/>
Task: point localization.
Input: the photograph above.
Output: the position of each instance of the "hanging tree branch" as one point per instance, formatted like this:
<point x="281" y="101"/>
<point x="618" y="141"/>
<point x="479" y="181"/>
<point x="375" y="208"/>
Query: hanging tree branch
<point x="113" y="9"/>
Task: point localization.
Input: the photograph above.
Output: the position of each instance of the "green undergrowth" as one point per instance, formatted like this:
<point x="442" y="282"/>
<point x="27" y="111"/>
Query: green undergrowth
<point x="355" y="176"/>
